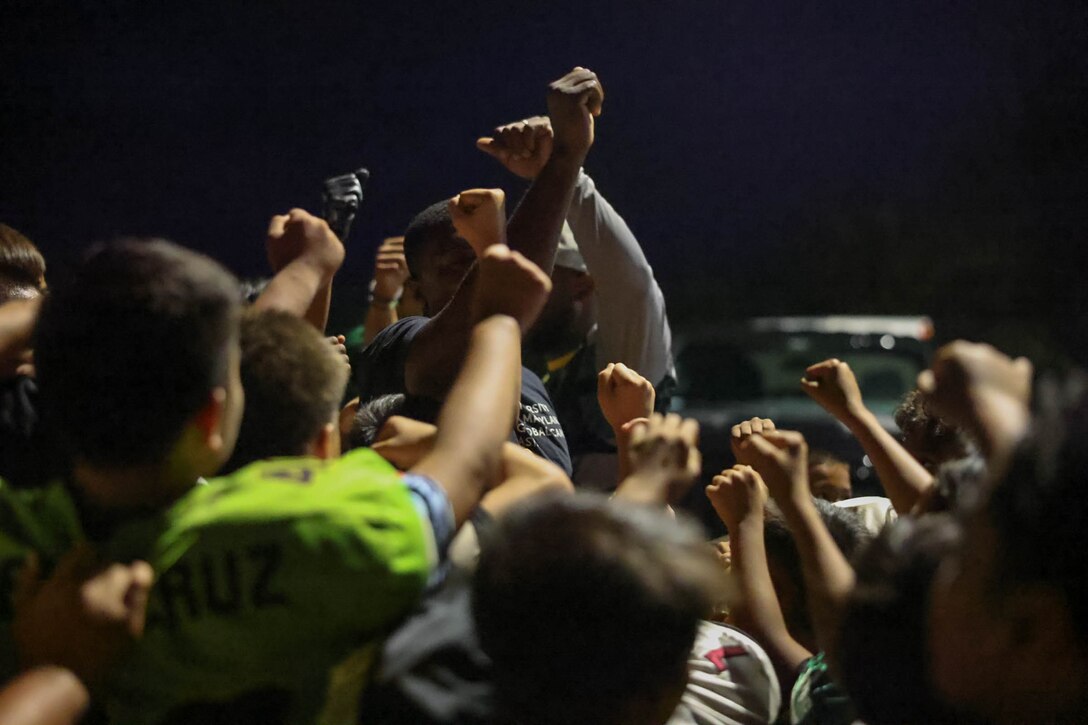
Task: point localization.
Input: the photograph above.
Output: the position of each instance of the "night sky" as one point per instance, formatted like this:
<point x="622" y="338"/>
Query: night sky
<point x="735" y="135"/>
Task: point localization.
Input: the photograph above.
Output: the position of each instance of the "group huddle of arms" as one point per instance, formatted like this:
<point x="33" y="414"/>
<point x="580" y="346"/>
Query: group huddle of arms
<point x="218" y="539"/>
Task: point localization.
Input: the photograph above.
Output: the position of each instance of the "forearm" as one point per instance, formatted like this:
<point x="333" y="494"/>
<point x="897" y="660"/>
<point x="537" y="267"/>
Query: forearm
<point x="829" y="578"/>
<point x="524" y="474"/>
<point x="44" y="696"/>
<point x="478" y="415"/>
<point x="905" y="480"/>
<point x="535" y="225"/>
<point x="758" y="611"/>
<point x="294" y="289"/>
<point x="318" y="314"/>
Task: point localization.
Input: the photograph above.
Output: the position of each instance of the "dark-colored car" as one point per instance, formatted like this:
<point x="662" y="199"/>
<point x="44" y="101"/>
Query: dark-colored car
<point x="753" y="368"/>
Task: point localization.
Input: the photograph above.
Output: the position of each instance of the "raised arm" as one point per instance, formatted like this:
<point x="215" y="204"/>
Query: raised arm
<point x="387" y="287"/>
<point x="739" y="497"/>
<point x="985" y="391"/>
<point x="479" y="411"/>
<point x="624" y="396"/>
<point x="665" y="461"/>
<point x="832" y="384"/>
<point x="305" y="254"/>
<point x="781" y="458"/>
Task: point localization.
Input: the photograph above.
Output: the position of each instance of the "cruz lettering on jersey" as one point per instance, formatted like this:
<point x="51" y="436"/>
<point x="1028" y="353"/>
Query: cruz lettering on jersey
<point x="218" y="584"/>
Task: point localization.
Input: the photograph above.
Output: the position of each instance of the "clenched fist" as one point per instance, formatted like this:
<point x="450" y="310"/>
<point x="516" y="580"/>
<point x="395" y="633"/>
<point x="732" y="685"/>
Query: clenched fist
<point x="523" y="147"/>
<point x="832" y="384"/>
<point x="624" y="395"/>
<point x="737" y="493"/>
<point x="301" y="235"/>
<point x="510" y="284"/>
<point x="479" y="216"/>
<point x="573" y="102"/>
<point x="781" y="458"/>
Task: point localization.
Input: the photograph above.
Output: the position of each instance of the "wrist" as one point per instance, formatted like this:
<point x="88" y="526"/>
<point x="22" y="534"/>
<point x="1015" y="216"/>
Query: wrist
<point x="567" y="158"/>
<point x="381" y="296"/>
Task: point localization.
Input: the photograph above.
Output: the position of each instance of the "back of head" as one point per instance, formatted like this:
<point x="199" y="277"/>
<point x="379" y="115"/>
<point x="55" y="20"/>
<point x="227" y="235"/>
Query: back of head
<point x="130" y="345"/>
<point x="22" y="267"/>
<point x="849" y="534"/>
<point x="589" y="609"/>
<point x="293" y="381"/>
<point x="432" y="224"/>
<point x="884" y="661"/>
<point x="928" y="437"/>
<point x="370" y="418"/>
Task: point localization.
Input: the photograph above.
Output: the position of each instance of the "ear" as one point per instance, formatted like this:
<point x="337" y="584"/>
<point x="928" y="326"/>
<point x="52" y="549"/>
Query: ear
<point x="582" y="286"/>
<point x="208" y="421"/>
<point x="326" y="444"/>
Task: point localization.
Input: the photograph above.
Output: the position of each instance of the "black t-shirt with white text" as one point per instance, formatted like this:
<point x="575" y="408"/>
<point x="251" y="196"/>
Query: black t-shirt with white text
<point x="381" y="372"/>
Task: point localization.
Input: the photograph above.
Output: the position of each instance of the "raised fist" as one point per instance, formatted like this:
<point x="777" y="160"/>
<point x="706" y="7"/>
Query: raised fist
<point x="573" y="101"/>
<point x="510" y="284"/>
<point x="832" y="384"/>
<point x="523" y="147"/>
<point x="83" y="616"/>
<point x="300" y="235"/>
<point x="390" y="270"/>
<point x="665" y="452"/>
<point x="737" y="493"/>
<point x="741" y="431"/>
<point x="781" y="458"/>
<point x="979" y="387"/>
<point x="479" y="216"/>
<point x="624" y="395"/>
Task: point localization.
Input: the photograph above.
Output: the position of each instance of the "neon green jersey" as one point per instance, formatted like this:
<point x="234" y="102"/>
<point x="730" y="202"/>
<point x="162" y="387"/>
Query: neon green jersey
<point x="265" y="581"/>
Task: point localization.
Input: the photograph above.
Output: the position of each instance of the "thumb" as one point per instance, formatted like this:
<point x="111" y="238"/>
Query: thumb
<point x="492" y="148"/>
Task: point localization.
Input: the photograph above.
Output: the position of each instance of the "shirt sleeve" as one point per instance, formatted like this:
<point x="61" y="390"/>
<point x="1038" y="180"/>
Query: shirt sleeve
<point x="434" y="508"/>
<point x="632" y="325"/>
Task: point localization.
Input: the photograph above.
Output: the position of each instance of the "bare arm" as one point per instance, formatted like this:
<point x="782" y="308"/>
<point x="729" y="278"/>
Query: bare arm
<point x="624" y="396"/>
<point x="305" y="255"/>
<point x="44" y="696"/>
<point x="665" y="461"/>
<point x="479" y="412"/>
<point x="832" y="384"/>
<point x="739" y="497"/>
<point x="781" y="457"/>
<point x="390" y="274"/>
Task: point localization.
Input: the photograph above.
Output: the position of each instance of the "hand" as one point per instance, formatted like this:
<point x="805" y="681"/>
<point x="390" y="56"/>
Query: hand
<point x="510" y="284"/>
<point x="404" y="441"/>
<point x="300" y="235"/>
<point x="832" y="384"/>
<point x="480" y="218"/>
<point x="522" y="147"/>
<point x="742" y="431"/>
<point x="664" y="458"/>
<point x="781" y="458"/>
<point x="736" y="494"/>
<point x="337" y="342"/>
<point x="980" y="388"/>
<point x="83" y="616"/>
<point x="573" y="101"/>
<point x="624" y="395"/>
<point x="390" y="270"/>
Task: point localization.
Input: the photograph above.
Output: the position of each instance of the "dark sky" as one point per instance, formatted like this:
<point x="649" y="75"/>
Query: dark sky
<point x="197" y="121"/>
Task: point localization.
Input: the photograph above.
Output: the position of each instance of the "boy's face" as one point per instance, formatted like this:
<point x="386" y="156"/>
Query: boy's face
<point x="443" y="264"/>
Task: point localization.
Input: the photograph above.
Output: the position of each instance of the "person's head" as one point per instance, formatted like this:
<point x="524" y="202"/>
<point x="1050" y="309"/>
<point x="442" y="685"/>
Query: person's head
<point x="571" y="310"/>
<point x="1009" y="612"/>
<point x="293" y="381"/>
<point x="137" y="361"/>
<point x="589" y="608"/>
<point x="883" y="652"/>
<point x="828" y="476"/>
<point x="20" y="260"/>
<point x="784" y="561"/>
<point x="438" y="259"/>
<point x="369" y="417"/>
<point x="931" y="440"/>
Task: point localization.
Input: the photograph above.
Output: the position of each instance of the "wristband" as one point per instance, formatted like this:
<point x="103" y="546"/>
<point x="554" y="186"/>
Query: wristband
<point x="371" y="298"/>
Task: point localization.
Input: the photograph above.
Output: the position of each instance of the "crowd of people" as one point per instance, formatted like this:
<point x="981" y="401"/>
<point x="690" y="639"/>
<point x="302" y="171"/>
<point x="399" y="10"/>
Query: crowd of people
<point x="211" y="511"/>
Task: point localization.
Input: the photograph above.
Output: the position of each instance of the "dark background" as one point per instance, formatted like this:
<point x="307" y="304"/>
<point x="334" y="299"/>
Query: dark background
<point x="789" y="156"/>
